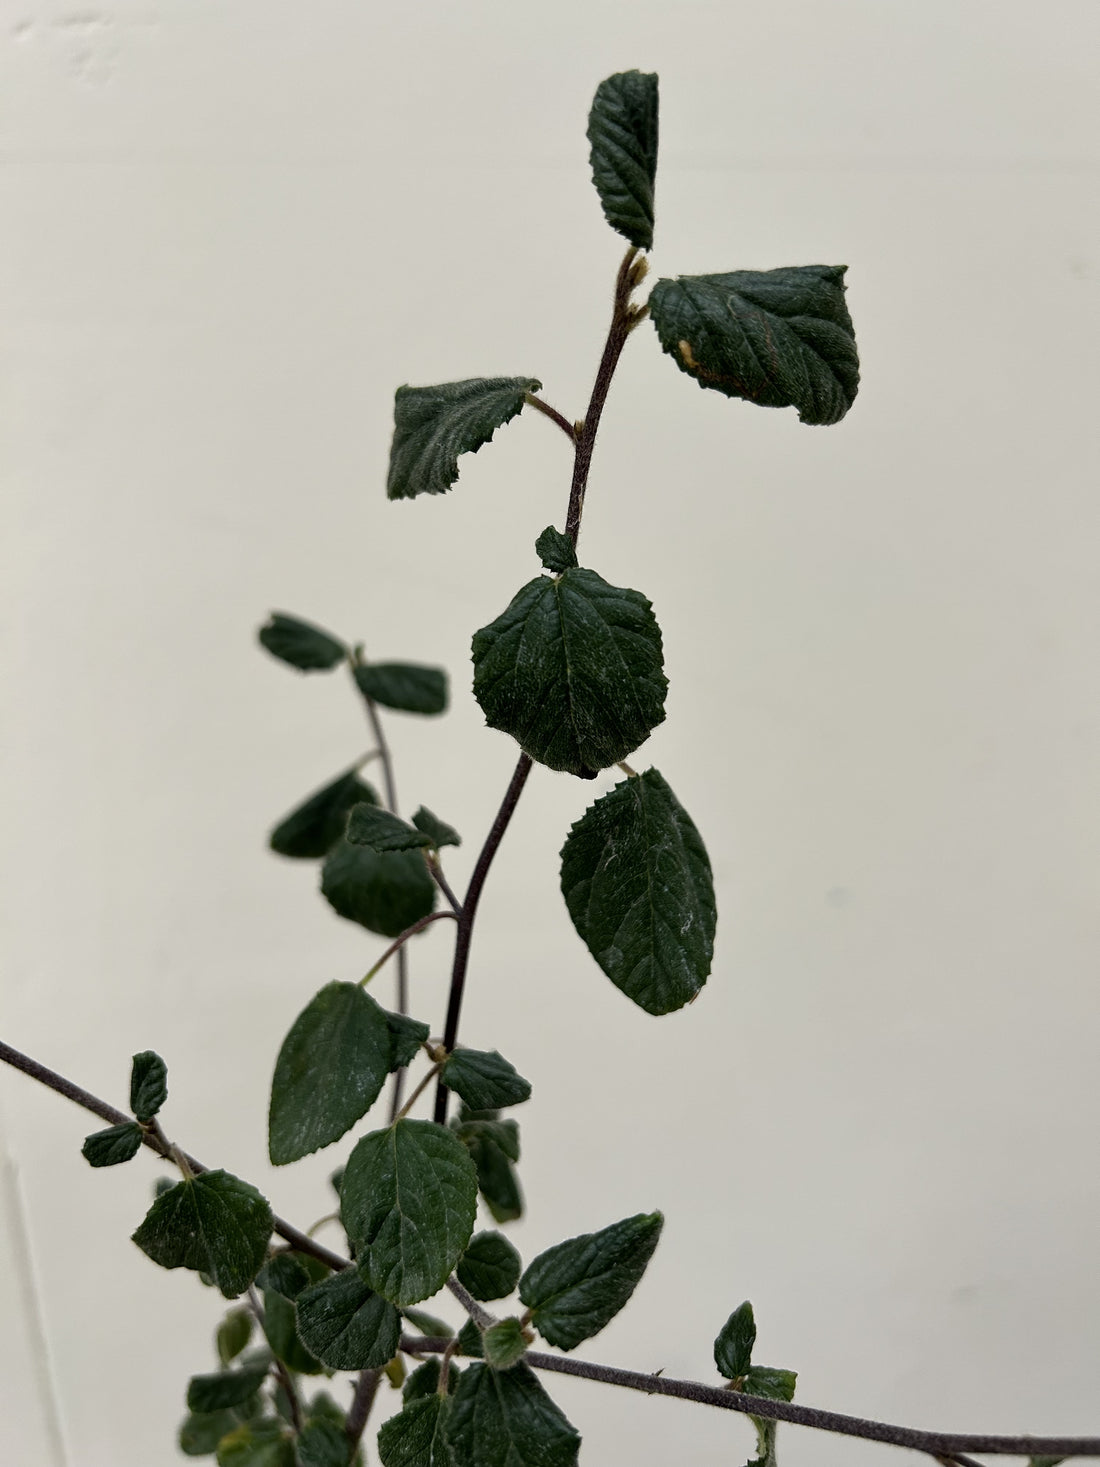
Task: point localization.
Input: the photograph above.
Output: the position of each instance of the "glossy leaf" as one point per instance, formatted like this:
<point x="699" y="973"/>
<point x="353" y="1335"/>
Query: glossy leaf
<point x="779" y="338"/>
<point x="578" y="1286"/>
<point x="346" y="1325"/>
<point x="733" y="1347"/>
<point x="370" y="825"/>
<point x="408" y="687"/>
<point x="312" y="828"/>
<point x="201" y="1432"/>
<point x="148" y="1084"/>
<point x="622" y="128"/>
<point x="438" y="831"/>
<point x="113" y="1145"/>
<point x="233" y="1334"/>
<point x="224" y="1389"/>
<point x="215" y="1224"/>
<point x="504" y="1418"/>
<point x="572" y="669"/>
<point x="490" y="1267"/>
<point x="406" y="1037"/>
<point x="637" y="882"/>
<point x="408" y="1204"/>
<point x="555" y="550"/>
<point x="384" y="893"/>
<point x="484" y="1079"/>
<point x="503" y="1344"/>
<point x="432" y="426"/>
<point x="417" y="1435"/>
<point x="330" y="1070"/>
<point x="301" y="644"/>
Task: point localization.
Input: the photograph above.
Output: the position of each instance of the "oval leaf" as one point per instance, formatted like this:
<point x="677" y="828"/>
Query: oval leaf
<point x="233" y="1335"/>
<point x="504" y="1418"/>
<point x="112" y="1146"/>
<point x="280" y="1327"/>
<point x="573" y="671"/>
<point x="384" y="893"/>
<point x="148" y="1084"/>
<point x="779" y="338"/>
<point x="622" y="128"/>
<point x="408" y="1203"/>
<point x="575" y="1288"/>
<point x="494" y="1147"/>
<point x="226" y="1388"/>
<point x="637" y="882"/>
<point x="733" y="1347"/>
<point x="484" y="1079"/>
<point x="312" y="828"/>
<point x="490" y="1267"/>
<point x="213" y="1223"/>
<point x="433" y="425"/>
<point x="346" y="1325"/>
<point x="330" y="1069"/>
<point x="301" y="644"/>
<point x="406" y="686"/>
<point x="200" y="1434"/>
<point x="369" y="825"/>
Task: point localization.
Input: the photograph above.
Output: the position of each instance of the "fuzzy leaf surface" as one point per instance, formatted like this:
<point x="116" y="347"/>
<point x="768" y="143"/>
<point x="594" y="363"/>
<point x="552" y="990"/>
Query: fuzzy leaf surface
<point x="769" y="1381"/>
<point x="622" y="129"/>
<point x="330" y="1070"/>
<point x="346" y="1325"/>
<point x="215" y="1224"/>
<point x="484" y="1079"/>
<point x="572" y="669"/>
<point x="494" y="1147"/>
<point x="779" y="338"/>
<point x="733" y="1347"/>
<point x="301" y="644"/>
<point x="407" y="687"/>
<point x="578" y="1286"/>
<point x="224" y="1389"/>
<point x="504" y="1418"/>
<point x="148" y="1084"/>
<point x="438" y="831"/>
<point x="113" y="1145"/>
<point x="408" y="1203"/>
<point x="384" y="893"/>
<point x="417" y="1435"/>
<point x="432" y="426"/>
<point x="323" y="1443"/>
<point x="503" y="1344"/>
<point x="637" y="882"/>
<point x="490" y="1267"/>
<point x="312" y="828"/>
<point x="406" y="1037"/>
<point x="280" y="1327"/>
<point x="555" y="550"/>
<point x="370" y="825"/>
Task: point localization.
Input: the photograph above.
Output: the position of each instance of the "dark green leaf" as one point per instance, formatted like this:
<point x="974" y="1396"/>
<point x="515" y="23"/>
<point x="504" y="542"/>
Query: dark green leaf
<point x="214" y="1224"/>
<point x="369" y="825"/>
<point x="346" y="1325"/>
<point x="303" y="645"/>
<point x="322" y="1406"/>
<point x="224" y="1389"/>
<point x="576" y="1287"/>
<point x="280" y="1327"/>
<point x="622" y="128"/>
<point x="331" y="1068"/>
<point x="384" y="893"/>
<point x="733" y="1347"/>
<point x="572" y="670"/>
<point x="408" y="1205"/>
<point x="494" y="1146"/>
<point x="428" y="1324"/>
<point x="148" y="1084"/>
<point x="233" y="1335"/>
<point x="767" y="1381"/>
<point x="262" y="1443"/>
<point x="555" y="550"/>
<point x="115" y="1144"/>
<point x="779" y="338"/>
<point x="504" y="1418"/>
<point x="484" y="1079"/>
<point x="469" y="1340"/>
<point x="202" y="1431"/>
<point x="1046" y="1461"/>
<point x="406" y="1037"/>
<point x="504" y="1343"/>
<point x="286" y="1274"/>
<point x="312" y="828"/>
<point x="323" y="1443"/>
<point x="490" y="1267"/>
<point x="416" y="1437"/>
<point x="424" y="1380"/>
<point x="409" y="687"/>
<point x="437" y="830"/>
<point x="637" y="882"/>
<point x="432" y="426"/>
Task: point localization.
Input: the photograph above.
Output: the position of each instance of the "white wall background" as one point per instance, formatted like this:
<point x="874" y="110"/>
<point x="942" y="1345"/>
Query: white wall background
<point x="230" y="231"/>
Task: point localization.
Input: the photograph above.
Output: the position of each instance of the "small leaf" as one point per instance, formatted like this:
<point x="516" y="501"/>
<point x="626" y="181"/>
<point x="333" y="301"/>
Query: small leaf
<point x="484" y="1079"/>
<point x="224" y="1389"/>
<point x="416" y="1436"/>
<point x="312" y="828"/>
<point x="765" y="1442"/>
<point x="428" y="1324"/>
<point x="504" y="1343"/>
<point x="406" y="1037"/>
<point x="767" y="1381"/>
<point x="214" y="1224"/>
<point x="622" y="128"/>
<point x="262" y="1443"/>
<point x="114" y="1145"/>
<point x="323" y="1443"/>
<point x="408" y="1205"/>
<point x="285" y="1274"/>
<point x="280" y="1327"/>
<point x="233" y="1335"/>
<point x="490" y="1267"/>
<point x="408" y="687"/>
<point x="148" y="1084"/>
<point x="469" y="1340"/>
<point x="331" y="1068"/>
<point x="637" y="882"/>
<point x="384" y="893"/>
<point x="494" y="1146"/>
<point x="424" y="1380"/>
<point x="200" y="1434"/>
<point x="572" y="670"/>
<point x="439" y="833"/>
<point x="504" y="1418"/>
<point x="370" y="825"/>
<point x="779" y="338"/>
<point x="555" y="550"/>
<point x="434" y="425"/>
<point x="301" y="644"/>
<point x="733" y="1347"/>
<point x="578" y="1286"/>
<point x="346" y="1325"/>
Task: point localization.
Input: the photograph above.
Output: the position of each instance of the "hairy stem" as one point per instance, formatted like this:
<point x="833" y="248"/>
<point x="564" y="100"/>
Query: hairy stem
<point x="481" y="1317"/>
<point x="355" y="1422"/>
<point x="552" y="413"/>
